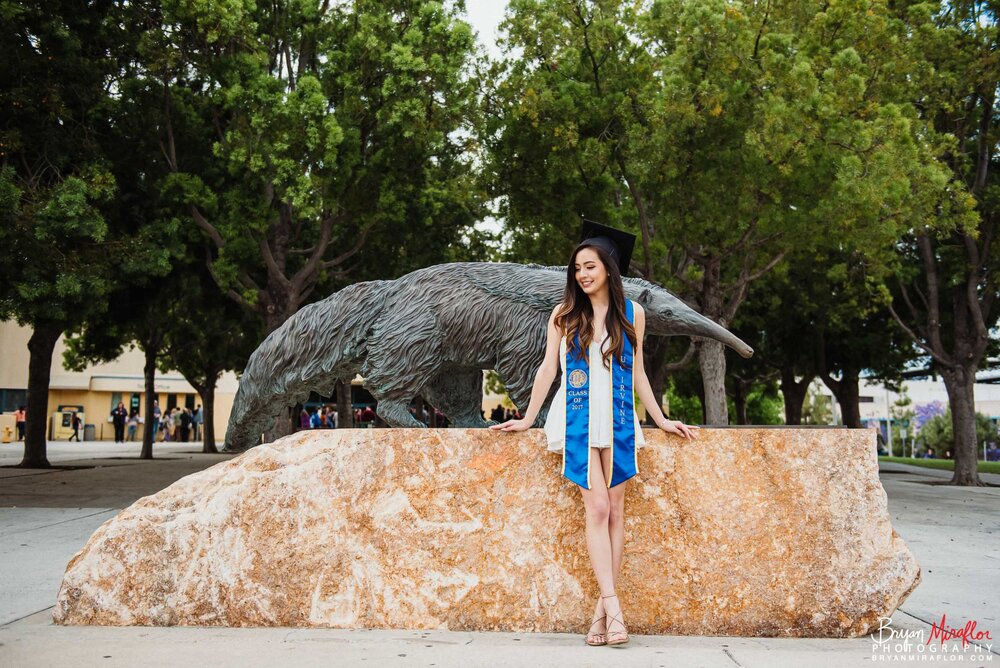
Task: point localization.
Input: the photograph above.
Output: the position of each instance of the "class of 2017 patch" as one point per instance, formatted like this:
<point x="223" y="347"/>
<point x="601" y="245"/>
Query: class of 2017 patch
<point x="578" y="378"/>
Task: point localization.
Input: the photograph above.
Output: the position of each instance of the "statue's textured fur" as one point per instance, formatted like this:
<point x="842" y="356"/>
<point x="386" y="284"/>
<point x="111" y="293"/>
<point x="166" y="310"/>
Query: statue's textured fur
<point x="428" y="333"/>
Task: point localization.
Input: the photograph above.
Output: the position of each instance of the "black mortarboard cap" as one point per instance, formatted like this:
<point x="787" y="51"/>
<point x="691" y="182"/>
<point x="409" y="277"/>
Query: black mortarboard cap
<point x="617" y="243"/>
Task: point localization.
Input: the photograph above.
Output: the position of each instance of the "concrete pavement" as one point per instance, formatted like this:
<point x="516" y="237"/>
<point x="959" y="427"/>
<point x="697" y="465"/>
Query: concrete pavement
<point x="46" y="516"/>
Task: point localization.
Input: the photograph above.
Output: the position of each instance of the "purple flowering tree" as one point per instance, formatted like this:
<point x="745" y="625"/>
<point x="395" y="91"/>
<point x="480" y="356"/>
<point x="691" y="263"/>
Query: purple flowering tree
<point x="925" y="412"/>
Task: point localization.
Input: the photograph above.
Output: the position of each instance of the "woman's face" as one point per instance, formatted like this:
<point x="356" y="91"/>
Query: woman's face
<point x="591" y="275"/>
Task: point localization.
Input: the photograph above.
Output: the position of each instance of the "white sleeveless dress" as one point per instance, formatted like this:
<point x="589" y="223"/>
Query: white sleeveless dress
<point x="600" y="404"/>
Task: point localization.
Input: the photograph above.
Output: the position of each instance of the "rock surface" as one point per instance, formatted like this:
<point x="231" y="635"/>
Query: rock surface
<point x="749" y="532"/>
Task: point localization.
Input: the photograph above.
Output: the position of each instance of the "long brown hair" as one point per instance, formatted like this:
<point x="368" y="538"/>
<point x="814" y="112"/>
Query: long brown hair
<point x="576" y="314"/>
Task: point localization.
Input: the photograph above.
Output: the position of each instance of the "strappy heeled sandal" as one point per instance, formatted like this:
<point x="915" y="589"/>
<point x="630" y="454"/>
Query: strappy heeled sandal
<point x="621" y="637"/>
<point x="597" y="639"/>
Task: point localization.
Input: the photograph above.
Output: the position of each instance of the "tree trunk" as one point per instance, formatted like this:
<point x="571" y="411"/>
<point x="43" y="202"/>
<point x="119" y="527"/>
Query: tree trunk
<point x="712" y="360"/>
<point x="711" y="353"/>
<point x="655" y="366"/>
<point x="345" y="413"/>
<point x="794" y="393"/>
<point x="149" y="376"/>
<point x="740" y="392"/>
<point x="959" y="383"/>
<point x="847" y="393"/>
<point x="277" y="306"/>
<point x="208" y="416"/>
<point x="40" y="346"/>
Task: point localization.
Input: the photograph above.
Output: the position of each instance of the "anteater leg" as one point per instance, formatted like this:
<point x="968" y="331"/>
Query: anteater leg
<point x="395" y="412"/>
<point x="519" y="390"/>
<point x="458" y="393"/>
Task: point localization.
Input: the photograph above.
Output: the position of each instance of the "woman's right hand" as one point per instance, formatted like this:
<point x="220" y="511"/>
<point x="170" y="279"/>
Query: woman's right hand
<point x="512" y="425"/>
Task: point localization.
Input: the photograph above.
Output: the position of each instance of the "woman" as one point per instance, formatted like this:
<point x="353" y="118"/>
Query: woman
<point x="598" y="454"/>
<point x="168" y="425"/>
<point x="133" y="424"/>
<point x="118" y="417"/>
<point x="20" y="418"/>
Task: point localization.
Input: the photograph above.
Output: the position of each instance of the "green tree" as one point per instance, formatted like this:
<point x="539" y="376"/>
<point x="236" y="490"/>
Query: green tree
<point x="54" y="180"/>
<point x="293" y="132"/>
<point x="684" y="405"/>
<point x="949" y="274"/>
<point x="842" y="320"/>
<point x="937" y="433"/>
<point x="204" y="334"/>
<point x="725" y="134"/>
<point x="817" y="408"/>
<point x="902" y="412"/>
<point x="137" y="317"/>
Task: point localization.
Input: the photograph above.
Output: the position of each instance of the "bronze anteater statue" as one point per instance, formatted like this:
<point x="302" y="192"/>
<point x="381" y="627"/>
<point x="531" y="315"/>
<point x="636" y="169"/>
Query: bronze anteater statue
<point x="429" y="333"/>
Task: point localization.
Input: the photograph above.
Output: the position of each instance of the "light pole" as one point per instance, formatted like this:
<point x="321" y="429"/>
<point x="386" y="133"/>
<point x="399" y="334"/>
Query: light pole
<point x="888" y="422"/>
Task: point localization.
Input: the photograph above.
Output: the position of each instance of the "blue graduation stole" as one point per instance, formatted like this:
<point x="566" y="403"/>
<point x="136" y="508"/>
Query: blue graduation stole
<point x="576" y="452"/>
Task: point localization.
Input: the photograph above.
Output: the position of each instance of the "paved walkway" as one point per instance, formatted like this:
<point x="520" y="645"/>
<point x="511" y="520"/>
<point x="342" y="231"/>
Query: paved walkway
<point x="46" y="516"/>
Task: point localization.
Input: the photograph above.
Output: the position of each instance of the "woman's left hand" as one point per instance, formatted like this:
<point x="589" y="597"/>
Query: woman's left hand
<point x="678" y="427"/>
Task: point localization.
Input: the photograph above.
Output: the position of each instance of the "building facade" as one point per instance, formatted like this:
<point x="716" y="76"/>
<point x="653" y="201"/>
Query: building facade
<point x="99" y="388"/>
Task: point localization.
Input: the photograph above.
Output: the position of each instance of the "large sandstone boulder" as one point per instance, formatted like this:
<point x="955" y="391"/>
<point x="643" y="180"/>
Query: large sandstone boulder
<point x="775" y="532"/>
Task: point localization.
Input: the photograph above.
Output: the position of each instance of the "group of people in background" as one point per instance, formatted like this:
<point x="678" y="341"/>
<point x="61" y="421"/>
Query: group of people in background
<point x="425" y="416"/>
<point x="321" y="417"/>
<point x="326" y="417"/>
<point x="177" y="424"/>
<point x="501" y="414"/>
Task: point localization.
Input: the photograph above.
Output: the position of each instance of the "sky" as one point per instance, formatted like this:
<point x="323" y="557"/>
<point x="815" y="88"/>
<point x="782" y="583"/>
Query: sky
<point x="484" y="16"/>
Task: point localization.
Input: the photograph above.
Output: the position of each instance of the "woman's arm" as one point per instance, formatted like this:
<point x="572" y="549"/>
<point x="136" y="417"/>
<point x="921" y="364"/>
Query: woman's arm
<point x="543" y="380"/>
<point x="643" y="389"/>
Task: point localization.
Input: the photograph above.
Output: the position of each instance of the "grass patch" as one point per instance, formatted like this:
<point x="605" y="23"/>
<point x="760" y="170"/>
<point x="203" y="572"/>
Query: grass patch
<point x="945" y="464"/>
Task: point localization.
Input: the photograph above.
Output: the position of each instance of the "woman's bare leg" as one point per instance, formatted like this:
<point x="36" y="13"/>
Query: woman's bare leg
<point x="597" y="509"/>
<point x="616" y="535"/>
<point x="616" y="516"/>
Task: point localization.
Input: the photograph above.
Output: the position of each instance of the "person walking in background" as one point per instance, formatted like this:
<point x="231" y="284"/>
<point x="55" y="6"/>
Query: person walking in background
<point x="176" y="435"/>
<point x="303" y="419"/>
<point x="185" y="424"/>
<point x="314" y="420"/>
<point x="157" y="414"/>
<point x="197" y="419"/>
<point x="118" y="417"/>
<point x="133" y="424"/>
<point x="75" y="422"/>
<point x="168" y="425"/>
<point x="20" y="419"/>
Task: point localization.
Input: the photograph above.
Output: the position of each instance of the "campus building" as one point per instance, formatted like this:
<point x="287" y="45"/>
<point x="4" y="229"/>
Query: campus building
<point x="98" y="389"/>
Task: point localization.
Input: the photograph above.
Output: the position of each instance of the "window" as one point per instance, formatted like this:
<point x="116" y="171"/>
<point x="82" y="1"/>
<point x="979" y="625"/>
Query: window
<point x="11" y="400"/>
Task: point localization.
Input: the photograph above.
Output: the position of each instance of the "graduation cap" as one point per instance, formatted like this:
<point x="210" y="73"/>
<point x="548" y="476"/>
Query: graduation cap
<point x="617" y="243"/>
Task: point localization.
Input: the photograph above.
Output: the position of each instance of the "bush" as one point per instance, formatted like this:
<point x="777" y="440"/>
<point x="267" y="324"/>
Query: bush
<point x="937" y="433"/>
